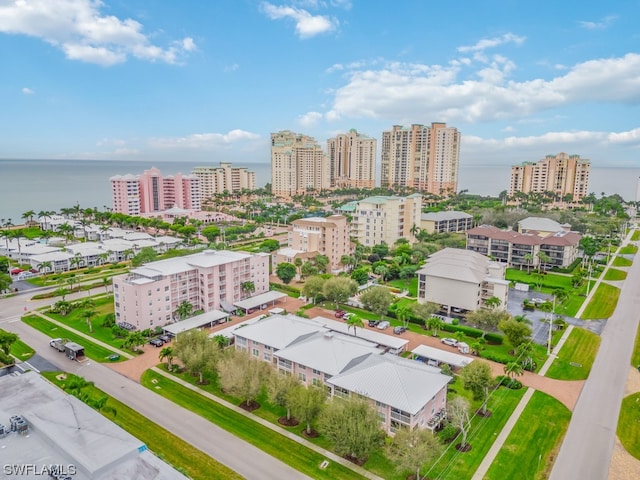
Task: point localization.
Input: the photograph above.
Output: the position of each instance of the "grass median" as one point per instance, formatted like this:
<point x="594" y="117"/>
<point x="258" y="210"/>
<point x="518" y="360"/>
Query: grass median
<point x="91" y="350"/>
<point x="603" y="303"/>
<point x="288" y="451"/>
<point x="628" y="421"/>
<point x="172" y="449"/>
<point x="532" y="445"/>
<point x="576" y="356"/>
<point x="615" y="275"/>
<point x="21" y="350"/>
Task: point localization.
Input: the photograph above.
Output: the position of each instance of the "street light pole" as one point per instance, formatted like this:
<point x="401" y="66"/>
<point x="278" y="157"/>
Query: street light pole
<point x="551" y="326"/>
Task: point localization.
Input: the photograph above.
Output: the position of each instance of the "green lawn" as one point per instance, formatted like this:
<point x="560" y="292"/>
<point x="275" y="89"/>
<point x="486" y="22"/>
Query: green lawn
<point x="621" y="262"/>
<point x="411" y="285"/>
<point x="172" y="449"/>
<point x="613" y="274"/>
<point x="629" y="250"/>
<point x="574" y="301"/>
<point x="603" y="302"/>
<point x="456" y="465"/>
<point x="297" y="456"/>
<point x="91" y="350"/>
<point x="548" y="280"/>
<point x="532" y="446"/>
<point x="21" y="350"/>
<point x="576" y="356"/>
<point x="636" y="235"/>
<point x="629" y="424"/>
<point x="635" y="358"/>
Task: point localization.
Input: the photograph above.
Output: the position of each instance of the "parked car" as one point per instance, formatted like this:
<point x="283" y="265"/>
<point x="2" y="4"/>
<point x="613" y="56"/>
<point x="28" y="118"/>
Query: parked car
<point x="165" y="338"/>
<point x="340" y="313"/>
<point x="156" y="342"/>
<point x="383" y="325"/>
<point x="373" y="323"/>
<point x="452" y="342"/>
<point x="347" y="316"/>
<point x="399" y="330"/>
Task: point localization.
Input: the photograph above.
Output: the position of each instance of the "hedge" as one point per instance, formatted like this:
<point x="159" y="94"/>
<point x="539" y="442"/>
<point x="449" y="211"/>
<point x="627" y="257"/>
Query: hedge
<point x="512" y="383"/>
<point x="496" y="357"/>
<point x="570" y="268"/>
<point x="494" y="338"/>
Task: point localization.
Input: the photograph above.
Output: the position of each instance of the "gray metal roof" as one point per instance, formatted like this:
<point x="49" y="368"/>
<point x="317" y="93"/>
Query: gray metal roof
<point x="446" y="215"/>
<point x="258" y="300"/>
<point x="278" y="331"/>
<point x="540" y="224"/>
<point x="442" y="356"/>
<point x="379" y="338"/>
<point x="63" y="430"/>
<point x="207" y="318"/>
<point x="392" y="380"/>
<point x="457" y="264"/>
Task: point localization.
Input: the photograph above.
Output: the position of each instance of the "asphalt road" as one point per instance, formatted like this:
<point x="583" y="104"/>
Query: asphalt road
<point x="237" y="454"/>
<point x="588" y="445"/>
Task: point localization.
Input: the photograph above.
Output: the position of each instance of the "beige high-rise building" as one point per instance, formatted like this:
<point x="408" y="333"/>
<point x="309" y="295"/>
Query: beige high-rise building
<point x="564" y="175"/>
<point x="421" y="157"/>
<point x="352" y="160"/>
<point x="386" y="219"/>
<point x="225" y="178"/>
<point x="298" y="164"/>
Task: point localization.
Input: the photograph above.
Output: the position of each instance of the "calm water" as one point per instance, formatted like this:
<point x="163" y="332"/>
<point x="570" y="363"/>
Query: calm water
<point x="54" y="184"/>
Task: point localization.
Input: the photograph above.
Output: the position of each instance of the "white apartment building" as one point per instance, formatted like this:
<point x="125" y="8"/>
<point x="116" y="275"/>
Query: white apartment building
<point x="461" y="280"/>
<point x="224" y="178"/>
<point x="423" y="157"/>
<point x="352" y="160"/>
<point x="298" y="164"/>
<point x="148" y="296"/>
<point x="386" y="219"/>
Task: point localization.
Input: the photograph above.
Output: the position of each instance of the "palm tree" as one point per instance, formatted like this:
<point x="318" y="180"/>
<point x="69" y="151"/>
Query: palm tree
<point x="355" y="322"/>
<point x="524" y="352"/>
<point x="167" y="352"/>
<point x="248" y="287"/>
<point x="184" y="310"/>
<point x="44" y="268"/>
<point x="28" y="215"/>
<point x="88" y="315"/>
<point x="513" y="369"/>
<point x="221" y="341"/>
<point x="528" y="257"/>
<point x="66" y="230"/>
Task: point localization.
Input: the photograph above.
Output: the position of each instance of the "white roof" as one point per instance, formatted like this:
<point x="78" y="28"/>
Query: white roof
<point x="37" y="249"/>
<point x="229" y="332"/>
<point x="168" y="240"/>
<point x="278" y="331"/>
<point x="51" y="257"/>
<point x="373" y="336"/>
<point x="135" y="236"/>
<point x="87" y="248"/>
<point x="540" y="224"/>
<point x="446" y="215"/>
<point x="117" y="244"/>
<point x="441" y="356"/>
<point x="329" y="352"/>
<point x="198" y="321"/>
<point x="258" y="300"/>
<point x="401" y="383"/>
<point x="457" y="264"/>
<point x="289" y="252"/>
<point x="210" y="258"/>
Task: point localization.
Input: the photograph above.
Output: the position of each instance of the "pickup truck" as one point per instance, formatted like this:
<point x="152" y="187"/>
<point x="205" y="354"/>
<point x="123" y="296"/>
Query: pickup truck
<point x="58" y="343"/>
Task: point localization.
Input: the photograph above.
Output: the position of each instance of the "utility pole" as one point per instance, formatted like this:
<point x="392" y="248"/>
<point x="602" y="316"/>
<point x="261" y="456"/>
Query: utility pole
<point x="588" y="279"/>
<point x="551" y="326"/>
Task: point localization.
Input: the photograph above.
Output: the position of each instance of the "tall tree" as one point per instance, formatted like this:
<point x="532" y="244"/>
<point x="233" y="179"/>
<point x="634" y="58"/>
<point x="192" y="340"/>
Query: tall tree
<point x="352" y="426"/>
<point x="458" y="416"/>
<point x="286" y="272"/>
<point x="242" y="375"/>
<point x="279" y="387"/>
<point x="477" y="377"/>
<point x="307" y="403"/>
<point x="355" y="322"/>
<point x="167" y="352"/>
<point x="88" y="314"/>
<point x="313" y="287"/>
<point x="378" y="300"/>
<point x="516" y="332"/>
<point x="339" y="289"/>
<point x="6" y="340"/>
<point x="413" y="450"/>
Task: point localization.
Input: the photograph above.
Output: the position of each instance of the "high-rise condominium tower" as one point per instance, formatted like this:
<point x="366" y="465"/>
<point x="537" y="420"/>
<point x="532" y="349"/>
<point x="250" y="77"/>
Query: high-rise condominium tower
<point x="224" y="178"/>
<point x="421" y="157"/>
<point x="352" y="160"/>
<point x="566" y="176"/>
<point x="298" y="164"/>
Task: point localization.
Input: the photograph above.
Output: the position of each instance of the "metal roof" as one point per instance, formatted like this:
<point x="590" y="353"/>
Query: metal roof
<point x="258" y="300"/>
<point x="207" y="318"/>
<point x="395" y="381"/>
<point x="446" y="215"/>
<point x="441" y="356"/>
<point x="278" y="331"/>
<point x="379" y="338"/>
<point x="541" y="224"/>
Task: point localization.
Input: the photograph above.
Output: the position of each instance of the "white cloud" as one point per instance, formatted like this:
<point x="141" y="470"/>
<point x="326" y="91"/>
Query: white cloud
<point x="27" y="91"/>
<point x="402" y="92"/>
<point x="205" y="140"/>
<point x="307" y="25"/>
<point x="310" y="119"/>
<point x="231" y="68"/>
<point x="79" y="29"/>
<point x="605" y="22"/>
<point x="492" y="42"/>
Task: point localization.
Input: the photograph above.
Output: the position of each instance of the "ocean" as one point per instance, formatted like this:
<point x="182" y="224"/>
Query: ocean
<point x="54" y="184"/>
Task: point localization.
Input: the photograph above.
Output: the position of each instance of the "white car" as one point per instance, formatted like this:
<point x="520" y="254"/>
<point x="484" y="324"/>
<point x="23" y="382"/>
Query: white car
<point x="452" y="342"/>
<point x="383" y="325"/>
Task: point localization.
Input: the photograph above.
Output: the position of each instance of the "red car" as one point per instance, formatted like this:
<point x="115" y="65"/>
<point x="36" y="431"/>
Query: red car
<point x="340" y="313"/>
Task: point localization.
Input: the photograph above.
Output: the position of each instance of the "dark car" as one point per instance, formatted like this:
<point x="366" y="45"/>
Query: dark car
<point x="156" y="342"/>
<point x="399" y="330"/>
<point x="373" y="323"/>
<point x="165" y="338"/>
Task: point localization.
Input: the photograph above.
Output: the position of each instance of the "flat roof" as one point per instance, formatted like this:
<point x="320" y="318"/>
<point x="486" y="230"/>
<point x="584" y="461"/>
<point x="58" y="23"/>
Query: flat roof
<point x="258" y="300"/>
<point x="63" y="430"/>
<point x="198" y="321"/>
<point x="441" y="356"/>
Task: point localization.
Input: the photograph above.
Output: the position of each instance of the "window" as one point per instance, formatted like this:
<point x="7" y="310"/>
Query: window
<point x="256" y="352"/>
<point x="302" y="377"/>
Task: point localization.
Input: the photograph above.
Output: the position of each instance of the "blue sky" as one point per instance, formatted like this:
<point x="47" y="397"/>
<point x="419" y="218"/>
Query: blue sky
<point x="204" y="81"/>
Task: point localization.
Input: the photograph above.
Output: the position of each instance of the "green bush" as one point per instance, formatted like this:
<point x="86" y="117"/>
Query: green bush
<point x="570" y="268"/>
<point x="448" y="433"/>
<point x="494" y="338"/>
<point x="6" y="359"/>
<point x="512" y="383"/>
<point x="496" y="357"/>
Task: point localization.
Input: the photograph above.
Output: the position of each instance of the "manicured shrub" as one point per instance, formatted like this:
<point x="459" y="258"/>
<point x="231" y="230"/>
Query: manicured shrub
<point x="512" y="383"/>
<point x="448" y="433"/>
<point x="496" y="357"/>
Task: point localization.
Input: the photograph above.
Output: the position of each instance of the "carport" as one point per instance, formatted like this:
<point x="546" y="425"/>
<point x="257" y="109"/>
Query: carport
<point x="259" y="300"/>
<point x="432" y="355"/>
<point x="208" y="319"/>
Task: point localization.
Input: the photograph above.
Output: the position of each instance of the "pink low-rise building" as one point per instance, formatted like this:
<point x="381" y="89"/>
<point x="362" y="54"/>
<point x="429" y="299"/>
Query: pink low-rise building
<point x="405" y="392"/>
<point x="149" y="296"/>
